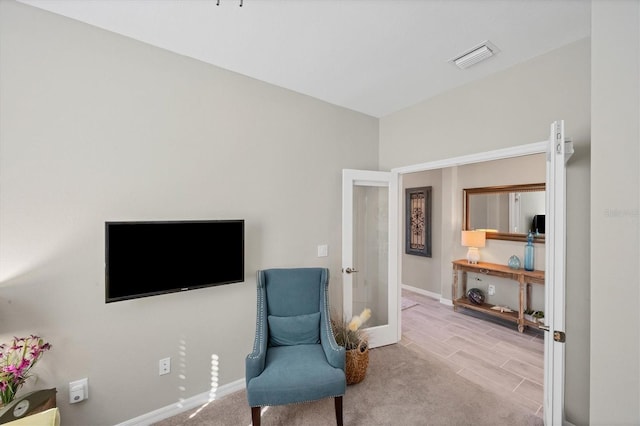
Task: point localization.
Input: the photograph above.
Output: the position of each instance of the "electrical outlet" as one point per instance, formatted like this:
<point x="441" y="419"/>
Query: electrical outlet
<point x="78" y="390"/>
<point x="164" y="366"/>
<point x="492" y="290"/>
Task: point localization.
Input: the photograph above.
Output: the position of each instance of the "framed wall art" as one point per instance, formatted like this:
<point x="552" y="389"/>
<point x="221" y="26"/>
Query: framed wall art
<point x="418" y="221"/>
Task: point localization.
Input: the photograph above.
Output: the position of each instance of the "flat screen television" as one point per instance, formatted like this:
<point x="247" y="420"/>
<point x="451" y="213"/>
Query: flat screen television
<point x="151" y="258"/>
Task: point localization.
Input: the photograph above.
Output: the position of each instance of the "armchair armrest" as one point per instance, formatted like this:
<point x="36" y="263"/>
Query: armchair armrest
<point x="335" y="353"/>
<point x="254" y="363"/>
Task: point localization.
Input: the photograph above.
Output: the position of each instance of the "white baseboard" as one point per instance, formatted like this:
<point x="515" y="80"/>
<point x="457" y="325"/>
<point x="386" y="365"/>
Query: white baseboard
<point x="224" y="390"/>
<point x="428" y="293"/>
<point x="187" y="404"/>
<point x="421" y="291"/>
<point x="447" y="302"/>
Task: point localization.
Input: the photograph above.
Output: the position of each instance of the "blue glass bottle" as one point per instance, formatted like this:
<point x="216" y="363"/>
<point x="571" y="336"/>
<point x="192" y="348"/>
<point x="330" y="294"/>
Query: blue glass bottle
<point x="528" y="253"/>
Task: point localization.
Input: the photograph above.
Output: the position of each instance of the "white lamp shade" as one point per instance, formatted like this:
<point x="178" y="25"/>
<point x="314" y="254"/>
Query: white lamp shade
<point x="473" y="238"/>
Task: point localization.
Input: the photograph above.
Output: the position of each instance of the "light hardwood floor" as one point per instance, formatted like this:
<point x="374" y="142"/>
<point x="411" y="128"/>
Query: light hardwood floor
<point x="494" y="356"/>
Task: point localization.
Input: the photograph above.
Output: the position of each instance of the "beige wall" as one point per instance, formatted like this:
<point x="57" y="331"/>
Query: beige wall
<point x="434" y="274"/>
<point x="512" y="171"/>
<point x="615" y="203"/>
<point x="417" y="271"/>
<point x="511" y="108"/>
<point x="98" y="127"/>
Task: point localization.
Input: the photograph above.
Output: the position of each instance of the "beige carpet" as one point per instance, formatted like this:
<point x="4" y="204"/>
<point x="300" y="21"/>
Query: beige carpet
<point x="402" y="387"/>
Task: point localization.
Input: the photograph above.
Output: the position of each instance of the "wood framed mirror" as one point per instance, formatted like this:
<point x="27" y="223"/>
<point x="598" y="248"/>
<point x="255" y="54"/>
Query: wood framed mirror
<point x="506" y="212"/>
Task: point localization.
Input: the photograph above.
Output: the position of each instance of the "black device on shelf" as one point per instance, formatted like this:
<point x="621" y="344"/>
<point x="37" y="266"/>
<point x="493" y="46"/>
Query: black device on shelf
<point x="151" y="258"/>
<point x="537" y="224"/>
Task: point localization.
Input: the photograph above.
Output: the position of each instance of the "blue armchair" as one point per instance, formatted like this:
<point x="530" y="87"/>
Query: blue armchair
<point x="295" y="357"/>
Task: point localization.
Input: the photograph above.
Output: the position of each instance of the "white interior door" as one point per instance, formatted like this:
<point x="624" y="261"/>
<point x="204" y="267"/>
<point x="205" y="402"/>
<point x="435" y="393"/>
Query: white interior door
<point x="558" y="154"/>
<point x="370" y="252"/>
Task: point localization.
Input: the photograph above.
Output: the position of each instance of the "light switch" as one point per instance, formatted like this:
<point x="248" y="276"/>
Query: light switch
<point x="323" y="250"/>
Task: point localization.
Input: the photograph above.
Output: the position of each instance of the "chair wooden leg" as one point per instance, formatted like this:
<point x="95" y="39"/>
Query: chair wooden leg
<point x="255" y="416"/>
<point x="338" y="402"/>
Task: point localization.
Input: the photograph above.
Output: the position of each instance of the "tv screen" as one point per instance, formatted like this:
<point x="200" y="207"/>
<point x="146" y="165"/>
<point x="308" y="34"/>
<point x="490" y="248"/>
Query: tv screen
<point x="150" y="258"/>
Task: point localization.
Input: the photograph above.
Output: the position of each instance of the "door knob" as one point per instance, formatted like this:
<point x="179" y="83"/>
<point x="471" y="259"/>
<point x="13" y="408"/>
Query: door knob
<point x="558" y="336"/>
<point x="350" y="271"/>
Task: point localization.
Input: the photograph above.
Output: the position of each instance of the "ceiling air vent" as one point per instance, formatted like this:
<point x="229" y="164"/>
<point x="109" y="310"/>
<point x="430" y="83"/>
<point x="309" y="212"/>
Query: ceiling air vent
<point x="474" y="55"/>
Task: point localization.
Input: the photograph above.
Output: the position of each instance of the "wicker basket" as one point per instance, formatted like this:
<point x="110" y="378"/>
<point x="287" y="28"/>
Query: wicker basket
<point x="357" y="361"/>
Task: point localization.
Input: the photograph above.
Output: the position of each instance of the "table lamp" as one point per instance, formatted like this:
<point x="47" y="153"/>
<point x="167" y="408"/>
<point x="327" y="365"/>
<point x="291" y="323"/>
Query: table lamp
<point x="473" y="240"/>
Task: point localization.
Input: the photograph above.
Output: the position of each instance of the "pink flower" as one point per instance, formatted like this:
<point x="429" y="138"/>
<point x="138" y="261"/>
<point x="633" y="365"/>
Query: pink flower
<point x="16" y="361"/>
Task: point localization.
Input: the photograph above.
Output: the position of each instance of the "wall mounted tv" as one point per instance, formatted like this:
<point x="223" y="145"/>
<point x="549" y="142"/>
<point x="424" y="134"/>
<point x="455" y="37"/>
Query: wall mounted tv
<point x="151" y="258"/>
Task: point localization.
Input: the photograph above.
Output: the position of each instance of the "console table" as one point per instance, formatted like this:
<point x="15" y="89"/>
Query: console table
<point x="523" y="278"/>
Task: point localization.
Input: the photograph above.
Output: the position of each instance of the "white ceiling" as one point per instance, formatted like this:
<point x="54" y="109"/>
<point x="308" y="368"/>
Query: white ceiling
<point x="372" y="56"/>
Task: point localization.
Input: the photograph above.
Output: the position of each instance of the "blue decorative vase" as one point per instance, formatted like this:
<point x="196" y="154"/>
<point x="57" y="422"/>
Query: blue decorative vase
<point x="514" y="262"/>
<point x="528" y="253"/>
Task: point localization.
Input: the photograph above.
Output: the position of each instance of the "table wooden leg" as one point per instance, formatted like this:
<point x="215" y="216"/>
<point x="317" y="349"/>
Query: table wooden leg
<point x="464" y="284"/>
<point x="454" y="289"/>
<point x="521" y="306"/>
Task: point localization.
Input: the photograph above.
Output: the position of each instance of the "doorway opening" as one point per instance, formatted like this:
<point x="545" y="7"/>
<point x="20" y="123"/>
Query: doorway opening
<point x="452" y="216"/>
<point x="558" y="151"/>
<point x="483" y="349"/>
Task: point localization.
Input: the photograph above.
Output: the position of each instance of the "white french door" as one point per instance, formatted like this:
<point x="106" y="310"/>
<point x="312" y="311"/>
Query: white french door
<point x="370" y="251"/>
<point x="558" y="153"/>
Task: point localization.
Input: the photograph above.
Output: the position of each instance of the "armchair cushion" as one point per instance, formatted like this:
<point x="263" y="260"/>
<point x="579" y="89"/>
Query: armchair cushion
<point x="294" y="330"/>
<point x="295" y="374"/>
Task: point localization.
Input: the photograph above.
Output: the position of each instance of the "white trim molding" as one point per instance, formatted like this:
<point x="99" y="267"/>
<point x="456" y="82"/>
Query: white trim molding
<point x="200" y="400"/>
<point x="447" y="302"/>
<point x="421" y="291"/>
<point x="428" y="293"/>
<point x="514" y="151"/>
